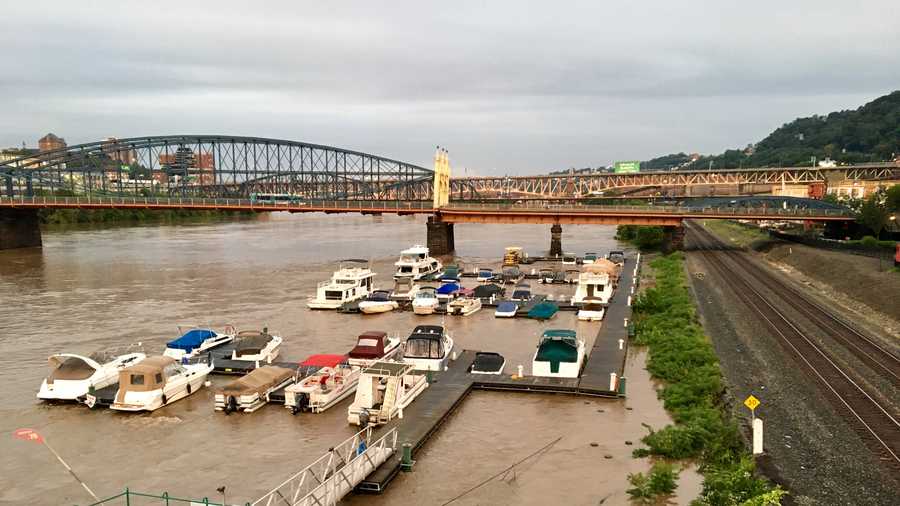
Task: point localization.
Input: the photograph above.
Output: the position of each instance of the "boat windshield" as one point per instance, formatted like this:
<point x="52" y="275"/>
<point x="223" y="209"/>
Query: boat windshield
<point x="425" y="295"/>
<point x="424" y="348"/>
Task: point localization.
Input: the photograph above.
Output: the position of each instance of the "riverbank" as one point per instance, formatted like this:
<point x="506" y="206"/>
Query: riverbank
<point x="681" y="356"/>
<point x="131" y="216"/>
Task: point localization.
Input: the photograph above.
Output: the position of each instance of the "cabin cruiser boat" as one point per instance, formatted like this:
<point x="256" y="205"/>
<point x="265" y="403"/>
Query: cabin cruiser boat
<point x="447" y="291"/>
<point x="487" y="363"/>
<point x="428" y="348"/>
<point x="384" y="389"/>
<point x="404" y="289"/>
<point x="560" y="354"/>
<point x="522" y="292"/>
<point x="157" y="381"/>
<point x="484" y="275"/>
<point x="415" y="262"/>
<point x="331" y="384"/>
<point x="252" y="391"/>
<point x="197" y="341"/>
<point x="426" y="301"/>
<point x="256" y="346"/>
<point x="589" y="258"/>
<point x="378" y="302"/>
<point x="73" y="376"/>
<point x="372" y="346"/>
<point x="464" y="306"/>
<point x="593" y="293"/>
<point x="506" y="309"/>
<point x="352" y="281"/>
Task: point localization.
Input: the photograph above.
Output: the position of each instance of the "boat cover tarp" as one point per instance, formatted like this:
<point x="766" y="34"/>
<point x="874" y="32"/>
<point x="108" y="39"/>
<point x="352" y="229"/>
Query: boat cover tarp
<point x="521" y="294"/>
<point x="69" y="368"/>
<point x="448" y="288"/>
<point x="251" y="342"/>
<point x="486" y="291"/>
<point x="555" y="351"/>
<point x="487" y="362"/>
<point x="507" y="307"/>
<point x="191" y="339"/>
<point x="259" y="381"/>
<point x="324" y="360"/>
<point x="543" y="311"/>
<point x="369" y="345"/>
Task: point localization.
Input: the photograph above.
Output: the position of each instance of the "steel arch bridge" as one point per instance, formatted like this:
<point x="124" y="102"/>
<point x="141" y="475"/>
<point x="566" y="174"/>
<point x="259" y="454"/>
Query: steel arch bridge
<point x="215" y="166"/>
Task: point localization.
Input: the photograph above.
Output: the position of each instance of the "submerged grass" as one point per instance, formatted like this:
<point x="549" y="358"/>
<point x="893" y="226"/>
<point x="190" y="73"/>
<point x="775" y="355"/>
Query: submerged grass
<point x="681" y="356"/>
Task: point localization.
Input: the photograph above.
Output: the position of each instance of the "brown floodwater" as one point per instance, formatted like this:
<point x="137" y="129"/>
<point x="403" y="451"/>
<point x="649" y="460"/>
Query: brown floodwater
<point x="89" y="289"/>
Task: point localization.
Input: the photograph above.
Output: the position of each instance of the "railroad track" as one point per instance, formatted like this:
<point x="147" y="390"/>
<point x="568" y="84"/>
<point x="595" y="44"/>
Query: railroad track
<point x="875" y="423"/>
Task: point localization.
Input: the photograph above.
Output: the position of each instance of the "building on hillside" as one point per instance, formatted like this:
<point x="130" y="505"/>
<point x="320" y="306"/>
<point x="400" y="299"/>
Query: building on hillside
<point x="50" y="142"/>
<point x="185" y="163"/>
<point x="118" y="151"/>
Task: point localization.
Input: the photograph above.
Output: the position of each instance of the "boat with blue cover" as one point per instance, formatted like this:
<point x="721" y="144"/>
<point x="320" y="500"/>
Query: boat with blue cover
<point x="196" y="341"/>
<point x="560" y="354"/>
<point x="506" y="309"/>
<point x="447" y="291"/>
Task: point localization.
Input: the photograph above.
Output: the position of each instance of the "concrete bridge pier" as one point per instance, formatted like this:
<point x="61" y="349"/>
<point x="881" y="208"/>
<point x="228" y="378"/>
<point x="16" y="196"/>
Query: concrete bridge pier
<point x="673" y="239"/>
<point x="440" y="236"/>
<point x="556" y="240"/>
<point x="19" y="228"/>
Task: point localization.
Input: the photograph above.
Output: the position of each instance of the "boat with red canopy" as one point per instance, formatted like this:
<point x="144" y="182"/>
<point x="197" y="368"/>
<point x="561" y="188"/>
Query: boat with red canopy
<point x="372" y="346"/>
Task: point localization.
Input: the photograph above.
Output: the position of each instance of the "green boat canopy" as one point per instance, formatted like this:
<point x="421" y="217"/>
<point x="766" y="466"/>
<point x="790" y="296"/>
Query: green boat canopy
<point x="543" y="311"/>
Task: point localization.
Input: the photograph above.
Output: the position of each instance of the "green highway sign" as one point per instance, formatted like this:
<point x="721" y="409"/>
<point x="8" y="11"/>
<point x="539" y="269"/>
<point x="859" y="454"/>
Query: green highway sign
<point x="626" y="167"/>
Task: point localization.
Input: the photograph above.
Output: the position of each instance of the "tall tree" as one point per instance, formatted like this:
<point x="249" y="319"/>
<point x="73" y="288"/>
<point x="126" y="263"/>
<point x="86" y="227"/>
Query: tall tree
<point x="873" y="214"/>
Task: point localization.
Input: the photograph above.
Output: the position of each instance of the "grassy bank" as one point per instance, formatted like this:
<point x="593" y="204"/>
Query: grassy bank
<point x="735" y="233"/>
<point x="97" y="216"/>
<point x="683" y="358"/>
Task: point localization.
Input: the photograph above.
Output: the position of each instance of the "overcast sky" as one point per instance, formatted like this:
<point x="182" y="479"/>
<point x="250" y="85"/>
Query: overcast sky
<point x="506" y="87"/>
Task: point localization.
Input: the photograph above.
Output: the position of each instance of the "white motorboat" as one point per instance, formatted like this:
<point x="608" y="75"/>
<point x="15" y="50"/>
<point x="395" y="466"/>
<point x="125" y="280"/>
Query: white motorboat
<point x="484" y="275"/>
<point x="378" y="302"/>
<point x="405" y="289"/>
<point x="506" y="309"/>
<point x="415" y="263"/>
<point x="426" y="301"/>
<point x="156" y="382"/>
<point x="334" y="382"/>
<point x="249" y="393"/>
<point x="372" y="346"/>
<point x="560" y="354"/>
<point x="256" y="346"/>
<point x="73" y="376"/>
<point x="487" y="363"/>
<point x="353" y="280"/>
<point x="196" y="341"/>
<point x="593" y="293"/>
<point x="464" y="306"/>
<point x="384" y="389"/>
<point x="428" y="348"/>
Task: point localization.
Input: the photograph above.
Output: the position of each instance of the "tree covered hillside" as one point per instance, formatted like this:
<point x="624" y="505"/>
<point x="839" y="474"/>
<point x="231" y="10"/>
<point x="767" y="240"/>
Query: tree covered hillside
<point x="870" y="133"/>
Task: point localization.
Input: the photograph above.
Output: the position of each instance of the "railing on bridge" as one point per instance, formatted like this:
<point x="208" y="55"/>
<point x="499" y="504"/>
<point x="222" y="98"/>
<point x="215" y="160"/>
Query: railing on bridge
<point x="526" y="206"/>
<point x="216" y="203"/>
<point x="333" y="475"/>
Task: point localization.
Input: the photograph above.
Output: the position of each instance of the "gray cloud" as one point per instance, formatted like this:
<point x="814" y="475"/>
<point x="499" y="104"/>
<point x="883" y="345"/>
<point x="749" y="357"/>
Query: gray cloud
<point x="509" y="88"/>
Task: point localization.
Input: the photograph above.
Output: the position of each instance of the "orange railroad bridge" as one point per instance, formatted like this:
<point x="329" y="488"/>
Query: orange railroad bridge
<point x="19" y="221"/>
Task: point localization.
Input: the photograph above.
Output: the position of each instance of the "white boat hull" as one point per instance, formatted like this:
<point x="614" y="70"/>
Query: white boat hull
<point x="104" y="375"/>
<point x="566" y="369"/>
<point x="175" y="389"/>
<point x="590" y="316"/>
<point x="370" y="307"/>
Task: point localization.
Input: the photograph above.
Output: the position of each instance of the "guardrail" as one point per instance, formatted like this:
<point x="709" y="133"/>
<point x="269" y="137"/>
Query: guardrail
<point x="331" y="476"/>
<point x="611" y="209"/>
<point x="223" y="203"/>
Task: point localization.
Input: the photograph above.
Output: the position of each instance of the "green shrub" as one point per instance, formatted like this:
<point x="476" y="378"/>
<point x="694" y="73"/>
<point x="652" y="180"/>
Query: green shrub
<point x="662" y="480"/>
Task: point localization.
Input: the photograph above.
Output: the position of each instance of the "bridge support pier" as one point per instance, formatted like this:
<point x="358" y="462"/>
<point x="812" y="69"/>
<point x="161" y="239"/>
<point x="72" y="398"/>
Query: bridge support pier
<point x="556" y="240"/>
<point x="673" y="239"/>
<point x="19" y="228"/>
<point x="440" y="236"/>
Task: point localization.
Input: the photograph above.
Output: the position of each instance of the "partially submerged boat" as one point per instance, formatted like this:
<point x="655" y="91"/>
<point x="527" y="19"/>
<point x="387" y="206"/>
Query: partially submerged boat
<point x="506" y="309"/>
<point x="249" y="393"/>
<point x="352" y="281"/>
<point x="256" y="346"/>
<point x="428" y="348"/>
<point x="73" y="376"/>
<point x="372" y="346"/>
<point x="426" y="301"/>
<point x="196" y="341"/>
<point x="416" y="263"/>
<point x="560" y="354"/>
<point x="384" y="389"/>
<point x="378" y="301"/>
<point x="464" y="306"/>
<point x="157" y="381"/>
<point x="487" y="363"/>
<point x="334" y="382"/>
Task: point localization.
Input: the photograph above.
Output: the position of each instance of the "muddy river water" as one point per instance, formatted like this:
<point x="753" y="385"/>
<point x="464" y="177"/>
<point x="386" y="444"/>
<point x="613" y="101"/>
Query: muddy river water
<point x="91" y="289"/>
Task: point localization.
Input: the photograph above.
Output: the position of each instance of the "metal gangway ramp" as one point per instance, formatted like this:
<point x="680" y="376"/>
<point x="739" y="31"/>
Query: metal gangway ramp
<point x="333" y="475"/>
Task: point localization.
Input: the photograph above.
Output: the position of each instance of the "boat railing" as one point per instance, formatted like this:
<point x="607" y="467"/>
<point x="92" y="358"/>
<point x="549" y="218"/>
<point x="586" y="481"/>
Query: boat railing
<point x="334" y="474"/>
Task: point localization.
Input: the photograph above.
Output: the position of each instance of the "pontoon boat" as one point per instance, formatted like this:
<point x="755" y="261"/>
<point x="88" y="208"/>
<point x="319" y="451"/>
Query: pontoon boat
<point x="384" y="389"/>
<point x="334" y="382"/>
<point x="464" y="306"/>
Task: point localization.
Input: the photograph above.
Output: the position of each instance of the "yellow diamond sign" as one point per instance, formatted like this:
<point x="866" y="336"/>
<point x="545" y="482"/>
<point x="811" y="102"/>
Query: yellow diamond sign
<point x="751" y="402"/>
